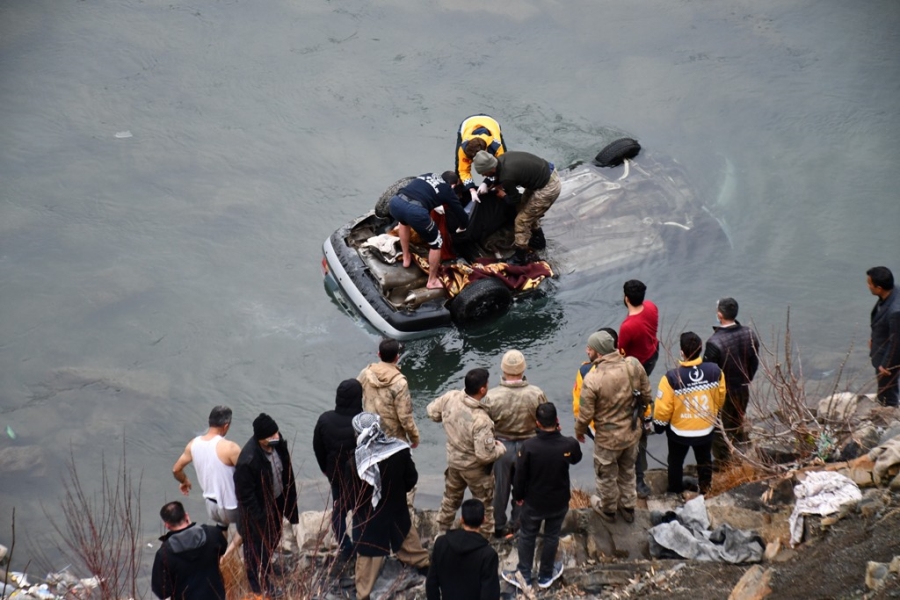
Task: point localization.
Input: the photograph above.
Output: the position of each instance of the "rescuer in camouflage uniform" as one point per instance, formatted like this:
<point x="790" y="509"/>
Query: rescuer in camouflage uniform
<point x="471" y="449"/>
<point x="386" y="393"/>
<point x="511" y="406"/>
<point x="608" y="400"/>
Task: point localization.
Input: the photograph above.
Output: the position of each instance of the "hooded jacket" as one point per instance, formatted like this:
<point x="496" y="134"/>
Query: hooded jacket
<point x="333" y="438"/>
<point x="386" y="393"/>
<point x="186" y="566"/>
<point x="463" y="567"/>
<point x="477" y="126"/>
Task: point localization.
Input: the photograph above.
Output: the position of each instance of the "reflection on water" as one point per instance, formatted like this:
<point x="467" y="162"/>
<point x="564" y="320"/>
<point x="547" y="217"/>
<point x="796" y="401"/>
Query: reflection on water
<point x="147" y="278"/>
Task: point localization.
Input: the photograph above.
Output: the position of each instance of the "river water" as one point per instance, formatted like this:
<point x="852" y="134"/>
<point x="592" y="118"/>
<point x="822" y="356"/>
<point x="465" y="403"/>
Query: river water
<point x="170" y="170"/>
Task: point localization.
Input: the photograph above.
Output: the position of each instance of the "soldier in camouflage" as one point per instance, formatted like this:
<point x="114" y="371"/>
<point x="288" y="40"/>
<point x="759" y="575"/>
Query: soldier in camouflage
<point x="471" y="449"/>
<point x="386" y="393"/>
<point x="614" y="396"/>
<point x="511" y="406"/>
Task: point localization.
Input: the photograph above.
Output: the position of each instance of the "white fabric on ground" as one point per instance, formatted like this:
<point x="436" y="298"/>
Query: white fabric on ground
<point x="821" y="493"/>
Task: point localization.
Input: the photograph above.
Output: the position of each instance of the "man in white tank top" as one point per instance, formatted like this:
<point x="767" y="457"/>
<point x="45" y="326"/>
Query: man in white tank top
<point x="214" y="458"/>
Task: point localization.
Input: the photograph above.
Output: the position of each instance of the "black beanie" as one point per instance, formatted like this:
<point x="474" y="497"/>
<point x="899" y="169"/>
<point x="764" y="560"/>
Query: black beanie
<point x="264" y="426"/>
<point x="348" y="399"/>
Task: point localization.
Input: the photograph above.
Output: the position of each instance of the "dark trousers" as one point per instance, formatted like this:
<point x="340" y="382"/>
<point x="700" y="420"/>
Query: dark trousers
<point x="340" y="506"/>
<point x="531" y="520"/>
<point x="702" y="454"/>
<point x="887" y="388"/>
<point x="258" y="548"/>
<point x="732" y="414"/>
<point x="640" y="465"/>
<point x="504" y="473"/>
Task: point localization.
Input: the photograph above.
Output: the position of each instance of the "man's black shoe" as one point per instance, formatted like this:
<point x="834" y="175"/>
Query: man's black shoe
<point x="522" y="257"/>
<point x="538" y="241"/>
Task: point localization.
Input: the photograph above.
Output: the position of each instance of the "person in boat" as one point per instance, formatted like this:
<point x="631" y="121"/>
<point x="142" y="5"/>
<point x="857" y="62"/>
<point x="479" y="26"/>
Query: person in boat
<point x="412" y="206"/>
<point x="476" y="133"/>
<point x="542" y="187"/>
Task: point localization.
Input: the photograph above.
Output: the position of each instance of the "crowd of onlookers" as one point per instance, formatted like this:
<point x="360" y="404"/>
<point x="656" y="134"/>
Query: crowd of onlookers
<point x="504" y="446"/>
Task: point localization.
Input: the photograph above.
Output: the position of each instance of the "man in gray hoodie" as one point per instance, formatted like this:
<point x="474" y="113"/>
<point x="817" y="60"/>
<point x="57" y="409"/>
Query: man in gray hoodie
<point x="187" y="563"/>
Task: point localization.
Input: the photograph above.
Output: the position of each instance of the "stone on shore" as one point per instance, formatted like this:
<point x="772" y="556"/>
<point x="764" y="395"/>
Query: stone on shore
<point x="754" y="585"/>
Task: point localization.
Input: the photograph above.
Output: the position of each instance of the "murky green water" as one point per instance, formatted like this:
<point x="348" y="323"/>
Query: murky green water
<point x="169" y="172"/>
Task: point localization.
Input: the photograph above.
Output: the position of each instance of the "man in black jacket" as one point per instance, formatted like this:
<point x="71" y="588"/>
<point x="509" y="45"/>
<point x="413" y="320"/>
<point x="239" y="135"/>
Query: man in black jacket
<point x="884" y="345"/>
<point x="267" y="493"/>
<point x="542" y="487"/>
<point x="334" y="442"/>
<point x="186" y="566"/>
<point x="463" y="565"/>
<point x="384" y="472"/>
<point x="735" y="349"/>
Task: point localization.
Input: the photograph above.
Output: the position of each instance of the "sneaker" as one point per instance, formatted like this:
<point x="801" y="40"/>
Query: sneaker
<point x="627" y="514"/>
<point x="515" y="578"/>
<point x="643" y="490"/>
<point x="545" y="582"/>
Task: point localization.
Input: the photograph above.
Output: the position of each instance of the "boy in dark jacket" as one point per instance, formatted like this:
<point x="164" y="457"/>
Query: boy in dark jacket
<point x="542" y="487"/>
<point x="334" y="442"/>
<point x="463" y="565"/>
<point x="186" y="566"/>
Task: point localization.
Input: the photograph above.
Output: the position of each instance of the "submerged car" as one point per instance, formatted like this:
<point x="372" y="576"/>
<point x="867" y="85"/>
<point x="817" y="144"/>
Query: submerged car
<point x="618" y="210"/>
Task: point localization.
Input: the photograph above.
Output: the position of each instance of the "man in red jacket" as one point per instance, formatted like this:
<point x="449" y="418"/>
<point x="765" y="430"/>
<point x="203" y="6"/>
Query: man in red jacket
<point x="637" y="338"/>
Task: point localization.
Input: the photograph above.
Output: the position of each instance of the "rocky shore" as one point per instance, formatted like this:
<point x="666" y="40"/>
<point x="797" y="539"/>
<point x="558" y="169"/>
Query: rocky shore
<point x="737" y="542"/>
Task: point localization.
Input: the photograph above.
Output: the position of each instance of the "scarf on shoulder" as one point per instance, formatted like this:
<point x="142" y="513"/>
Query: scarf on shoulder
<point x="372" y="447"/>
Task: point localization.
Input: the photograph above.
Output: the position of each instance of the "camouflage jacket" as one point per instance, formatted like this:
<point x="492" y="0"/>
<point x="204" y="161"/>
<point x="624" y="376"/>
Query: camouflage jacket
<point x="511" y="407"/>
<point x="606" y="400"/>
<point x="386" y="393"/>
<point x="469" y="429"/>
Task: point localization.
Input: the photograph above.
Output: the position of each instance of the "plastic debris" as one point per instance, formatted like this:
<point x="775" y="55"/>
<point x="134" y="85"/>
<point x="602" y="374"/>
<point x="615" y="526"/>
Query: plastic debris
<point x="10" y="432"/>
<point x="123" y="134"/>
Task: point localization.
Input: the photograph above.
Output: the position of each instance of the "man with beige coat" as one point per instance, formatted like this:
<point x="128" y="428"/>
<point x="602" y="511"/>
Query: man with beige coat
<point x="614" y="396"/>
<point x="512" y="406"/>
<point x="386" y="393"/>
<point x="471" y="449"/>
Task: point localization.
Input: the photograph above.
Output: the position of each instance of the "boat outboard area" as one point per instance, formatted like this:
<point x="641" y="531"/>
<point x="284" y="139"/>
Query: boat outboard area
<point x="620" y="210"/>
